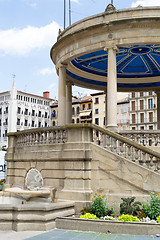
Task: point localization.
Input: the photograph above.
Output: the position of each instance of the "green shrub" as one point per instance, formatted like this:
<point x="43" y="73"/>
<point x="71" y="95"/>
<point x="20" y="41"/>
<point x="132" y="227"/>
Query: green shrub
<point x="128" y="206"/>
<point x="152" y="208"/>
<point x="98" y="205"/>
<point x="128" y="218"/>
<point x="89" y="216"/>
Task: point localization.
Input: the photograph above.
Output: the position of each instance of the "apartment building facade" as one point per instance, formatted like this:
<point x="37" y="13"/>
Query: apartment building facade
<point x="143" y="110"/>
<point x="20" y="110"/>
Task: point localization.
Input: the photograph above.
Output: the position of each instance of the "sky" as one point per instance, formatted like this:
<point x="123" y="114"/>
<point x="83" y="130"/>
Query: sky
<point x="28" y="30"/>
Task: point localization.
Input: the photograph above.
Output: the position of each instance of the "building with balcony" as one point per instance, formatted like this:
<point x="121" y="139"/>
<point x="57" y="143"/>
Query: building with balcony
<point x="20" y="110"/>
<point x="98" y="111"/>
<point x="143" y="110"/>
<point x="123" y="114"/>
<point x="86" y="110"/>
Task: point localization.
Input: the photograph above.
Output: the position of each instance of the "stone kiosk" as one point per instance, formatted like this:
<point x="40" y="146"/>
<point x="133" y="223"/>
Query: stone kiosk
<point x="117" y="50"/>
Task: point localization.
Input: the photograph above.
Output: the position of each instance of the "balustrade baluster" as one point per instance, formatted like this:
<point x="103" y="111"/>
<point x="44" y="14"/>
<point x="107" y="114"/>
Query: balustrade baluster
<point x="158" y="164"/>
<point x="129" y="154"/>
<point x="108" y="142"/>
<point x="64" y="136"/>
<point x="114" y="145"/>
<point x="143" y="158"/>
<point x="121" y="144"/>
<point x="136" y="155"/>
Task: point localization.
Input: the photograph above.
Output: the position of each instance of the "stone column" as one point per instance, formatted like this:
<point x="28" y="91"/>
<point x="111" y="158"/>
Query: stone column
<point x="68" y="103"/>
<point x="62" y="96"/>
<point x="158" y="110"/>
<point x="106" y="109"/>
<point x="112" y="90"/>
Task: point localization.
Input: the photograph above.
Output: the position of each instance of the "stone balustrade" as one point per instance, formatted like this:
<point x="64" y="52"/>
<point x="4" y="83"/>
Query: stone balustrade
<point x="120" y="145"/>
<point x="38" y="136"/>
<point x="126" y="148"/>
<point x="146" y="138"/>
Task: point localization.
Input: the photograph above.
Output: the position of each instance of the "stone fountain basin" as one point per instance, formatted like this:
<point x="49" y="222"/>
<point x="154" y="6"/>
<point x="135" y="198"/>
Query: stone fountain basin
<point x="28" y="194"/>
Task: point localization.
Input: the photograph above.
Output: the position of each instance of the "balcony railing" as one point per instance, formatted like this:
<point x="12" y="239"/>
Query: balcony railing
<point x="142" y="108"/>
<point x="143" y="121"/>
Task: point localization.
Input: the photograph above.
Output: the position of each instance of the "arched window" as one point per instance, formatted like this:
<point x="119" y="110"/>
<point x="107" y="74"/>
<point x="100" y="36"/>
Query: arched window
<point x="73" y="111"/>
<point x="72" y="120"/>
<point x="54" y="123"/>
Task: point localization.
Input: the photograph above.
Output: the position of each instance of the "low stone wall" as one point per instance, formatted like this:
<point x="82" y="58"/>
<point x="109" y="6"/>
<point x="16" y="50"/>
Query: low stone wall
<point x="115" y="227"/>
<point x="33" y="217"/>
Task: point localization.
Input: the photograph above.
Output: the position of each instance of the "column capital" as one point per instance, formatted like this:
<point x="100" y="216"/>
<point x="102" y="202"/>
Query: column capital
<point x="114" y="47"/>
<point x="63" y="65"/>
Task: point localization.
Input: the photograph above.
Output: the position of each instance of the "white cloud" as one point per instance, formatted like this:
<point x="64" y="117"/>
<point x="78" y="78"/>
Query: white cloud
<point x="146" y="3"/>
<point x="47" y="70"/>
<point x="23" y="41"/>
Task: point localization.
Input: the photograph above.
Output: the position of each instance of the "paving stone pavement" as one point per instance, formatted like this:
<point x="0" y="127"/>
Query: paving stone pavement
<point x="58" y="234"/>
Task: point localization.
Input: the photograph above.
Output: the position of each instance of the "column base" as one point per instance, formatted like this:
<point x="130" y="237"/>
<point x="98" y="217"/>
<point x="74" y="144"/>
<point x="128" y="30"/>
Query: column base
<point x="112" y="128"/>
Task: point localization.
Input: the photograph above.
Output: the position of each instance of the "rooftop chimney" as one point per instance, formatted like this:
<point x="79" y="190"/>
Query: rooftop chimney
<point x="46" y="94"/>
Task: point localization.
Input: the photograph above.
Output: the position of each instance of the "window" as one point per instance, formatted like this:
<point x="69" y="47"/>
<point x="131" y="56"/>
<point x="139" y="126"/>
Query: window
<point x="54" y="113"/>
<point x="73" y="111"/>
<point x="83" y="106"/>
<point x="6" y="109"/>
<point x="142" y="117"/>
<point x="141" y="104"/>
<point x="77" y="120"/>
<point x="124" y="118"/>
<point x="124" y="108"/>
<point x="26" y="111"/>
<point x="18" y="121"/>
<point x="104" y="121"/>
<point x="150" y="103"/>
<point x="96" y="111"/>
<point x="72" y="120"/>
<point x="19" y="110"/>
<point x="6" y="121"/>
<point x="5" y="133"/>
<point x="133" y="94"/>
<point x="151" y="127"/>
<point x="54" y="123"/>
<point x="26" y="123"/>
<point x="133" y="105"/>
<point x="133" y="118"/>
<point x="33" y="123"/>
<point x="142" y="127"/>
<point x="39" y="124"/>
<point x="141" y="94"/>
<point x="97" y="121"/>
<point x="150" y="93"/>
<point x="77" y="110"/>
<point x="45" y="124"/>
<point x="0" y="122"/>
<point x="33" y="112"/>
<point x="133" y="128"/>
<point x="150" y="116"/>
<point x="89" y="106"/>
<point x="96" y="100"/>
<point x="45" y="115"/>
<point x="0" y="110"/>
<point x="39" y="114"/>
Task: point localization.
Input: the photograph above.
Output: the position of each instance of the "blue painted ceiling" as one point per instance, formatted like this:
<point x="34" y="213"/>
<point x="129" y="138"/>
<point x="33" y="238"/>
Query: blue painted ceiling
<point x="139" y="61"/>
